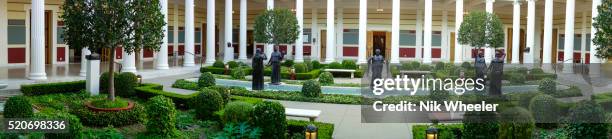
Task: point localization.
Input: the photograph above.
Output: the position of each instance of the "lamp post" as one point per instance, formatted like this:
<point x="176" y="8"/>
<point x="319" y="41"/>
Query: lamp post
<point x="311" y="131"/>
<point x="431" y="133"/>
<point x="139" y="77"/>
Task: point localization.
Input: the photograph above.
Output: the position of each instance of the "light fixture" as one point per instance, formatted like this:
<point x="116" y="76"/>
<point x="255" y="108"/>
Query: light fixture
<point x="311" y="132"/>
<point x="431" y="133"/>
<point x="379" y="9"/>
<point x="139" y="77"/>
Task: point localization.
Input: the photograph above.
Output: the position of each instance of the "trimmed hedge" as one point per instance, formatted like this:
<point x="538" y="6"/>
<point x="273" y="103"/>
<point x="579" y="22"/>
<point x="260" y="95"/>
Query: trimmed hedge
<point x="313" y="74"/>
<point x="445" y="131"/>
<point x="103" y="119"/>
<point x="215" y="70"/>
<point x="237" y="112"/>
<point x="53" y="88"/>
<point x="161" y="117"/>
<point x="297" y="96"/>
<point x="605" y="100"/>
<point x="146" y="91"/>
<point x="324" y="130"/>
<point x="18" y="107"/>
<point x="184" y="84"/>
<point x="74" y="125"/>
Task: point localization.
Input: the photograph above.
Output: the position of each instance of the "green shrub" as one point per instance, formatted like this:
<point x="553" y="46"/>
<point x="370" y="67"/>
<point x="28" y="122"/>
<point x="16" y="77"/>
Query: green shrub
<point x="475" y="123"/>
<point x="536" y="71"/>
<point x="106" y="133"/>
<point x="572" y="91"/>
<point x="439" y="95"/>
<point x="206" y="79"/>
<point x="213" y="70"/>
<point x="219" y="64"/>
<point x="414" y="65"/>
<point x="207" y="103"/>
<point x="326" y="78"/>
<point x="147" y="91"/>
<point x="271" y="118"/>
<point x="604" y="99"/>
<point x="239" y="131"/>
<point x="52" y="88"/>
<point x="297" y="96"/>
<point x="124" y="83"/>
<point x="233" y="64"/>
<point x="184" y="84"/>
<point x="335" y="65"/>
<point x="238" y="73"/>
<point x="425" y="67"/>
<point x="316" y="64"/>
<point x="548" y="86"/>
<point x="311" y="88"/>
<point x="237" y="112"/>
<point x="223" y="91"/>
<point x="161" y="116"/>
<point x="467" y="65"/>
<point x="300" y="68"/>
<point x="518" y="78"/>
<point x="349" y="64"/>
<point x="545" y="110"/>
<point x="524" y="99"/>
<point x="114" y="118"/>
<point x="105" y="103"/>
<point x="313" y="74"/>
<point x="440" y="66"/>
<point x="288" y="63"/>
<point x="445" y="131"/>
<point x="309" y="66"/>
<point x="18" y="107"/>
<point x="324" y="130"/>
<point x="250" y="100"/>
<point x="587" y="121"/>
<point x="516" y="123"/>
<point x="74" y="125"/>
<point x="521" y="70"/>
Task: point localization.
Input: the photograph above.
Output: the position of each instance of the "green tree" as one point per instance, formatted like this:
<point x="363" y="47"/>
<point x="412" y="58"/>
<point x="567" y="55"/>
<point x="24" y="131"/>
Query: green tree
<point x="481" y="28"/>
<point x="601" y="23"/>
<point x="277" y="26"/>
<point x="108" y="24"/>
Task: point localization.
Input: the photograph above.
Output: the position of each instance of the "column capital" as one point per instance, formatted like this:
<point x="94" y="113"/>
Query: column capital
<point x="517" y="2"/>
<point x="490" y="0"/>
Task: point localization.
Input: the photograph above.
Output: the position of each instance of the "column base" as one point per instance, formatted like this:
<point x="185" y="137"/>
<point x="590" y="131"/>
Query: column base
<point x="299" y="60"/>
<point x="83" y="73"/>
<point x="427" y="60"/>
<point x="37" y="76"/>
<point x="329" y="60"/>
<point x="162" y="67"/>
<point x="188" y="64"/>
<point x="129" y="69"/>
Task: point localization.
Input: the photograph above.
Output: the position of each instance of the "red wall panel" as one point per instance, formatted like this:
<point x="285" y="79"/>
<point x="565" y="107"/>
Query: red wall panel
<point x="307" y="50"/>
<point x="407" y="52"/>
<point x="118" y="53"/>
<point x="147" y="53"/>
<point x="436" y="52"/>
<point x="181" y="49"/>
<point x="170" y="50"/>
<point x="350" y="51"/>
<point x="587" y="58"/>
<point x="560" y="56"/>
<point x="197" y="49"/>
<point x="16" y="55"/>
<point x="61" y="54"/>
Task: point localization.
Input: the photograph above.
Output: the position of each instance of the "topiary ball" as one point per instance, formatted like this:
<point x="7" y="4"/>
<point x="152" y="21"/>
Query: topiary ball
<point x="545" y="110"/>
<point x="218" y="64"/>
<point x="516" y="123"/>
<point x="300" y="68"/>
<point x="308" y="65"/>
<point x="335" y="65"/>
<point x="547" y="86"/>
<point x="161" y="116"/>
<point x="18" y="107"/>
<point x="326" y="78"/>
<point x="475" y="123"/>
<point x="311" y="88"/>
<point x="586" y="120"/>
<point x="414" y="65"/>
<point x="288" y="63"/>
<point x="518" y="78"/>
<point x="207" y="103"/>
<point x="349" y="64"/>
<point x="238" y="73"/>
<point x="522" y="70"/>
<point x="233" y="64"/>
<point x="466" y="65"/>
<point x="125" y="84"/>
<point x="237" y="112"/>
<point x="206" y="80"/>
<point x="270" y="117"/>
<point x="316" y="64"/>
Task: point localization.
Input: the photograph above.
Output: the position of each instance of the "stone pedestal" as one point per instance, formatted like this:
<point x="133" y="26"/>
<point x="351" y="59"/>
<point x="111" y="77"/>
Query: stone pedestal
<point x="93" y="74"/>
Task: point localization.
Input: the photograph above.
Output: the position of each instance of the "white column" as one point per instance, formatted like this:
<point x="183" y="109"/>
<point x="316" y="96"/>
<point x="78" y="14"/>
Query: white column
<point x="340" y="34"/>
<point x="188" y="60"/>
<point x="458" y="20"/>
<point x="176" y="28"/>
<point x="162" y="55"/>
<point x="269" y="47"/>
<point x="583" y="37"/>
<point x="84" y="52"/>
<point x="4" y="33"/>
<point x="299" y="43"/>
<point x="529" y="57"/>
<point x="37" y="56"/>
<point x="331" y="42"/>
<point x="489" y="51"/>
<point x="210" y="32"/>
<point x="419" y="35"/>
<point x="129" y="62"/>
<point x="548" y="28"/>
<point x="243" y="30"/>
<point x="395" y="31"/>
<point x="445" y="45"/>
<point x="427" y="28"/>
<point x="594" y="13"/>
<point x="229" y="51"/>
<point x="314" y="36"/>
<point x="516" y="30"/>
<point x="568" y="50"/>
<point x="363" y="27"/>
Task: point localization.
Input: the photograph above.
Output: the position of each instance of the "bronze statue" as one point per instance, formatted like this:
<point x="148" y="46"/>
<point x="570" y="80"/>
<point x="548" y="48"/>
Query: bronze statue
<point x="258" y="68"/>
<point x="376" y="63"/>
<point x="496" y="70"/>
<point x="275" y="60"/>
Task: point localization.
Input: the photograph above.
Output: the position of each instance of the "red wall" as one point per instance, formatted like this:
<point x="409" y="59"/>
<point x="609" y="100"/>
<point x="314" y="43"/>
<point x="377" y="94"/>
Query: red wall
<point x="16" y="55"/>
<point x="350" y="51"/>
<point x="118" y="53"/>
<point x="197" y="49"/>
<point x="407" y="52"/>
<point x="181" y="49"/>
<point x="436" y="52"/>
<point x="61" y="54"/>
<point x="147" y="53"/>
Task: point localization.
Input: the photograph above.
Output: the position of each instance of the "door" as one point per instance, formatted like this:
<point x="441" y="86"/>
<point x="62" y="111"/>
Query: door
<point x="379" y="43"/>
<point x="370" y="44"/>
<point x="387" y="46"/>
<point x="452" y="46"/>
<point x="323" y="44"/>
<point x="509" y="42"/>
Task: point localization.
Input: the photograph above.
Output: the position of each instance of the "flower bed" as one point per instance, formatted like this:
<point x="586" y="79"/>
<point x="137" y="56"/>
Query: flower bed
<point x="108" y="108"/>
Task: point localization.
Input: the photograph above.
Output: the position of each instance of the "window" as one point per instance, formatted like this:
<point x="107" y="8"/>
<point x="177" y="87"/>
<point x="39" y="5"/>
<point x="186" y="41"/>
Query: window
<point x="16" y="31"/>
<point x="408" y="37"/>
<point x="351" y="36"/>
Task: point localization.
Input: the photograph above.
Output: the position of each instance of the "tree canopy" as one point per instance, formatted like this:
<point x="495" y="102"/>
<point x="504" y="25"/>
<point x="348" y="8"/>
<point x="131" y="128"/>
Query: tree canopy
<point x="481" y="28"/>
<point x="276" y="26"/>
<point x="603" y="24"/>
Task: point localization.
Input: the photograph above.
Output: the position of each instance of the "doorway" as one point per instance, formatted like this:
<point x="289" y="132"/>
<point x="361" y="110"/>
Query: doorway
<point x="379" y="43"/>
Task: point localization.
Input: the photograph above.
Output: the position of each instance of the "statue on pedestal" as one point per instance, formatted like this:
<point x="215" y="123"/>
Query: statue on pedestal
<point x="480" y="66"/>
<point x="275" y="60"/>
<point x="496" y="72"/>
<point x="258" y="68"/>
<point x="376" y="64"/>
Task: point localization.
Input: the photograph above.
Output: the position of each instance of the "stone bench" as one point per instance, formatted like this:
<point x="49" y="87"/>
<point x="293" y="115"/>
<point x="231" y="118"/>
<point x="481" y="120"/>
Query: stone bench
<point x="2" y="86"/>
<point x="343" y="70"/>
<point x="413" y="72"/>
<point x="310" y="114"/>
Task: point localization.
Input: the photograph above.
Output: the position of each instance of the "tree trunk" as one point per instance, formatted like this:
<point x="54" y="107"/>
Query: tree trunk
<point x="111" y="75"/>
